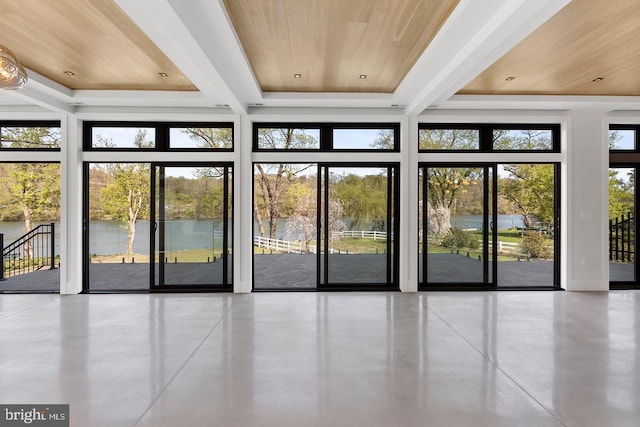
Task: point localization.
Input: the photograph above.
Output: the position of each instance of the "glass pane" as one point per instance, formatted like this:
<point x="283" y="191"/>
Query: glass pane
<point x="524" y="139"/>
<point x="363" y="139"/>
<point x="29" y="137"/>
<point x="288" y="139"/>
<point x="119" y="195"/>
<point x="30" y="226"/>
<point x="622" y="233"/>
<point x="454" y="224"/>
<point x="449" y="139"/>
<point x="123" y="137"/>
<point x="191" y="230"/>
<point x="624" y="139"/>
<point x="526" y="222"/>
<point x="358" y="225"/>
<point x="204" y="138"/>
<point x="285" y="226"/>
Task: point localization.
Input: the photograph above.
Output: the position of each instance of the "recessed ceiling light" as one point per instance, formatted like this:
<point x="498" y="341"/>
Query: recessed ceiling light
<point x="510" y="78"/>
<point x="163" y="74"/>
<point x="363" y="76"/>
<point x="297" y="76"/>
<point x="598" y="79"/>
<point x="69" y="73"/>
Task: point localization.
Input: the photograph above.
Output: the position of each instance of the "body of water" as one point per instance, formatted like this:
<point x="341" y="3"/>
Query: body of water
<point x="110" y="237"/>
<point x="475" y="221"/>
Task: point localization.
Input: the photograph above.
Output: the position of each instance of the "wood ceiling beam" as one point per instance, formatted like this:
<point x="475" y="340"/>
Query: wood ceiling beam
<point x="475" y="36"/>
<point x="162" y="24"/>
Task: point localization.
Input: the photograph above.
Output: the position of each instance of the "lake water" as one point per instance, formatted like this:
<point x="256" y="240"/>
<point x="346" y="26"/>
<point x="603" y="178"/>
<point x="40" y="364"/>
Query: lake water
<point x="475" y="221"/>
<point x="110" y="237"/>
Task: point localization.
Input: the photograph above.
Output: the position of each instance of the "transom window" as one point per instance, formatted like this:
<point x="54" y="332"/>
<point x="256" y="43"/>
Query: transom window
<point x="158" y="136"/>
<point x="326" y="137"/>
<point x="15" y="135"/>
<point x="489" y="137"/>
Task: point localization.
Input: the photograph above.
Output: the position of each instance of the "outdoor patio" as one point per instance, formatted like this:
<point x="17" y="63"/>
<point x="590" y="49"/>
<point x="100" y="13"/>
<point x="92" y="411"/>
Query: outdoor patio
<point x="295" y="271"/>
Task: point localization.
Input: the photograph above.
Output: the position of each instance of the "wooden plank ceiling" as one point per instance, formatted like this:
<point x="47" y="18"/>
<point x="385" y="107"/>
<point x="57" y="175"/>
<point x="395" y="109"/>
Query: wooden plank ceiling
<point x="93" y="39"/>
<point x="589" y="48"/>
<point x="332" y="43"/>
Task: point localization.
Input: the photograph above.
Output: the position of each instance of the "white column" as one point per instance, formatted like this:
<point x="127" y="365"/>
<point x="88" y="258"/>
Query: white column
<point x="242" y="196"/>
<point x="587" y="202"/>
<point x="71" y="206"/>
<point x="409" y="206"/>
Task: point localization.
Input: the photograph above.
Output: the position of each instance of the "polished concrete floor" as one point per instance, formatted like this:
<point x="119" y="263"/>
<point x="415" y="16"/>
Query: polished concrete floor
<point x="326" y="359"/>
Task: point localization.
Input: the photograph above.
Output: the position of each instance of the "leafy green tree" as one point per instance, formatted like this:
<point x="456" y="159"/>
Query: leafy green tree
<point x="33" y="189"/>
<point x="530" y="188"/>
<point x="127" y="195"/>
<point x="364" y="199"/>
<point x="621" y="192"/>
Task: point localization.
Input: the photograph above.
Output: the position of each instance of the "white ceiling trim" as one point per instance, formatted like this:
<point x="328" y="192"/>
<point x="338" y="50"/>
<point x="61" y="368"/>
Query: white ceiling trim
<point x="539" y="102"/>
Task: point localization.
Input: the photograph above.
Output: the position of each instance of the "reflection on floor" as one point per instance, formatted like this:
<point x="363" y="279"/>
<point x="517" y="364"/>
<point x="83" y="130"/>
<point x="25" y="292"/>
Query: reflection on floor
<point x="327" y="359"/>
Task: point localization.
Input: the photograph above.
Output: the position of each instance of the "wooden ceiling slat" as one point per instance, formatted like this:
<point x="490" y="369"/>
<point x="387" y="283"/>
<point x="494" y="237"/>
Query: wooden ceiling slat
<point x="92" y="38"/>
<point x="585" y="40"/>
<point x="332" y="42"/>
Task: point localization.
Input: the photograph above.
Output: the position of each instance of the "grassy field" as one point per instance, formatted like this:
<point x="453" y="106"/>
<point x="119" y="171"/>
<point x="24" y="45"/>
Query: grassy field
<point x="191" y="255"/>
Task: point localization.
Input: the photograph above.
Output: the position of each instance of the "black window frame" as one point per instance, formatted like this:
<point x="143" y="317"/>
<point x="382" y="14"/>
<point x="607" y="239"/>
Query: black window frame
<point x="628" y="159"/>
<point x="485" y="131"/>
<point x="625" y="152"/>
<point x="326" y="136"/>
<point x="162" y="131"/>
<point x="34" y="124"/>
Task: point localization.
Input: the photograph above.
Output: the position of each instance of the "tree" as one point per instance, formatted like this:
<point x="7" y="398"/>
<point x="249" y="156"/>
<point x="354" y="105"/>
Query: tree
<point x="271" y="179"/>
<point x="530" y="188"/>
<point x="384" y="140"/>
<point x="33" y="188"/>
<point x="621" y="192"/>
<point x="444" y="185"/>
<point x="303" y="223"/>
<point x="128" y="193"/>
<point x="527" y="139"/>
<point x="364" y="199"/>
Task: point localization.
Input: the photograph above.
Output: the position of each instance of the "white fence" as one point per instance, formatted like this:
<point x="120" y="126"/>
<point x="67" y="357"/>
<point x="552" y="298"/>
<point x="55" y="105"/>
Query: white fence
<point x="375" y="235"/>
<point x="507" y="247"/>
<point x="279" y="245"/>
<point x="296" y="247"/>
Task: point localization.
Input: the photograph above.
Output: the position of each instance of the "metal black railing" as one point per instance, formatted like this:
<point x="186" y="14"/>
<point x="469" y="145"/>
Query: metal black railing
<point x="622" y="238"/>
<point x="33" y="251"/>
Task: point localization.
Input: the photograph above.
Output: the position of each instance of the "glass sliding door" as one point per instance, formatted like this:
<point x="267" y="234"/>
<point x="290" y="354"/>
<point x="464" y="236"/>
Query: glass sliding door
<point x="526" y="225"/>
<point x="454" y="209"/>
<point x="29" y="223"/>
<point x="358" y="226"/>
<point x="325" y="226"/>
<point x="285" y="226"/>
<point x="192" y="226"/>
<point x="488" y="226"/>
<point x="622" y="226"/>
<point x="116" y="227"/>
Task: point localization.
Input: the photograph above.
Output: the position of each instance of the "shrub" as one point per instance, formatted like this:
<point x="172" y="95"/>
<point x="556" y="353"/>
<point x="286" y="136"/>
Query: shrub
<point x="458" y="238"/>
<point x="537" y="246"/>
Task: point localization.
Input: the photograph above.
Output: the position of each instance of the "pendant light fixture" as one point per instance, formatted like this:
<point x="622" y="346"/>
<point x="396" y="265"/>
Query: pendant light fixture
<point x="12" y="74"/>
